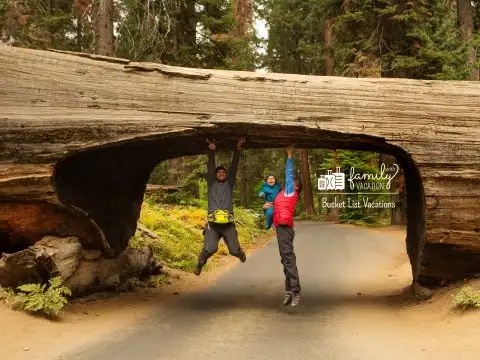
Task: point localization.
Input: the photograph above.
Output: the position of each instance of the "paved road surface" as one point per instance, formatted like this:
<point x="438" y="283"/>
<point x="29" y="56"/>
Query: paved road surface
<point x="241" y="317"/>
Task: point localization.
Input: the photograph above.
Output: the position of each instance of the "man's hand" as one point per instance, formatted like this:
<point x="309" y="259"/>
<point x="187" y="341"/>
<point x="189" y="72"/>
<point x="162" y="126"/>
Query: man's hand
<point x="289" y="151"/>
<point x="241" y="141"/>
<point x="267" y="205"/>
<point x="211" y="144"/>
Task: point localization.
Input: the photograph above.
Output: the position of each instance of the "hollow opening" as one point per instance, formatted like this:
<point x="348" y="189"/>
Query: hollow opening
<point x="24" y="223"/>
<point x="10" y="244"/>
<point x="109" y="182"/>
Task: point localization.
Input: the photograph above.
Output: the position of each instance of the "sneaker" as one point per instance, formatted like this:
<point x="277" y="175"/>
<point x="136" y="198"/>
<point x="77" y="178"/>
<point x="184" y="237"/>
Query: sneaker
<point x="287" y="298"/>
<point x="197" y="270"/>
<point x="295" y="299"/>
<point x="242" y="256"/>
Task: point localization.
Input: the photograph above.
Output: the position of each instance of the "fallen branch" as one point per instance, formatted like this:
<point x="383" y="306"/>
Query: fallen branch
<point x="145" y="231"/>
<point x="161" y="188"/>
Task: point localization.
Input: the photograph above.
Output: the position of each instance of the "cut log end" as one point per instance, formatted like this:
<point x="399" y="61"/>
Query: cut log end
<point x="23" y="224"/>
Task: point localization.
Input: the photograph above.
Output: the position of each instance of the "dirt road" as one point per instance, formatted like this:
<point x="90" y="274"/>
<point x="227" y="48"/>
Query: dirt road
<point x="352" y="308"/>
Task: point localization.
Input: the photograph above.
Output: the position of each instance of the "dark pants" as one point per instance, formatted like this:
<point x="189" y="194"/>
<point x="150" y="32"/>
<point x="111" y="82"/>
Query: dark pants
<point x="212" y="235"/>
<point x="285" y="237"/>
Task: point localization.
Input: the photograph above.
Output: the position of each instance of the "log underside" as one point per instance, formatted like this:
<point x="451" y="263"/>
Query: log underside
<point x="104" y="124"/>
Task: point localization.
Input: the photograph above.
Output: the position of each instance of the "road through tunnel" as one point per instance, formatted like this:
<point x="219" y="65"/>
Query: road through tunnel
<point x="109" y="182"/>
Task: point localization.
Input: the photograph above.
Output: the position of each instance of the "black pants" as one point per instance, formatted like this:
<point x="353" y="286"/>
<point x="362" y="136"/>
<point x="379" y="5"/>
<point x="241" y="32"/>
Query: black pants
<point x="285" y="236"/>
<point x="212" y="235"/>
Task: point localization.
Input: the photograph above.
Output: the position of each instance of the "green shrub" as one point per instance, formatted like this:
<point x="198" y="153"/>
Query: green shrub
<point x="47" y="300"/>
<point x="467" y="298"/>
<point x="180" y="230"/>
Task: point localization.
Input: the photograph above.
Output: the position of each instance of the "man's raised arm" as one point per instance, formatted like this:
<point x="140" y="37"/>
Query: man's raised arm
<point x="289" y="180"/>
<point x="211" y="177"/>
<point x="232" y="172"/>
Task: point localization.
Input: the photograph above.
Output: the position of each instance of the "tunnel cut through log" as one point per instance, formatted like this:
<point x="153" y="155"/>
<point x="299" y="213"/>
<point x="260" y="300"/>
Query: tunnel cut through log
<point x="109" y="182"/>
<point x="66" y="109"/>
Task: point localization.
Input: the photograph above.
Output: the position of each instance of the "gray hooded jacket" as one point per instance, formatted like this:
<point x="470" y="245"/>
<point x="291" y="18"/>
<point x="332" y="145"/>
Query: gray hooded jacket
<point x="220" y="194"/>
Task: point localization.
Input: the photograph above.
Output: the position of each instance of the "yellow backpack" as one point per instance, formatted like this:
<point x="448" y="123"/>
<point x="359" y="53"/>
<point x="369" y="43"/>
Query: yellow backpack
<point x="220" y="217"/>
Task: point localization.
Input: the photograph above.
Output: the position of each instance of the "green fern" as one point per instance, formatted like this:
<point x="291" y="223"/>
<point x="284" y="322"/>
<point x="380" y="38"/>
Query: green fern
<point x="40" y="298"/>
<point x="6" y="294"/>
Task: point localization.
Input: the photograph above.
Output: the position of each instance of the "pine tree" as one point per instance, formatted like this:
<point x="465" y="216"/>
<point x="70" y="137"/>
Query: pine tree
<point x="39" y="24"/>
<point x="295" y="36"/>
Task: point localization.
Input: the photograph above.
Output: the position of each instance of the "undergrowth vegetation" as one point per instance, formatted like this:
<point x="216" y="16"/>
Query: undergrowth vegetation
<point x="467" y="298"/>
<point x="47" y="299"/>
<point x="180" y="229"/>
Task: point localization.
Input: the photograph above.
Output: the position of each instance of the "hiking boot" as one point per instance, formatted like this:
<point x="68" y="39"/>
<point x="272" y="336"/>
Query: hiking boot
<point x="242" y="256"/>
<point x="295" y="299"/>
<point x="287" y="298"/>
<point x="197" y="270"/>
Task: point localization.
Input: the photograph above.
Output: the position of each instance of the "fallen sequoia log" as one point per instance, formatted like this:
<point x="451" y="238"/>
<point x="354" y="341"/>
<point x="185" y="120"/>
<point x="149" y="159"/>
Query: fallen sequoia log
<point x="80" y="135"/>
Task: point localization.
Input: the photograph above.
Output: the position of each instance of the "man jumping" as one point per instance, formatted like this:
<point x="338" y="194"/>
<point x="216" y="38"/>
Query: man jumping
<point x="220" y="221"/>
<point x="284" y="209"/>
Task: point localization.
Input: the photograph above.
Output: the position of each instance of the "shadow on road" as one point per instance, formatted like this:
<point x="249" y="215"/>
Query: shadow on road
<point x="311" y="303"/>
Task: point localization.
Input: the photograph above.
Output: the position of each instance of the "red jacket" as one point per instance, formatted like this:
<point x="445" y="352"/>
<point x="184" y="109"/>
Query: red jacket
<point x="284" y="208"/>
<point x="286" y="200"/>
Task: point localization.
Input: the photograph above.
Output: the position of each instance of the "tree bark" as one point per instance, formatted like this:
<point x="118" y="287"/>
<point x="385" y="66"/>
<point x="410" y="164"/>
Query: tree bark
<point x="333" y="214"/>
<point x="327" y="37"/>
<point x="399" y="211"/>
<point x="244" y="182"/>
<point x="308" y="206"/>
<point x="186" y="24"/>
<point x="104" y="44"/>
<point x="79" y="30"/>
<point x="465" y="23"/>
<point x="175" y="169"/>
<point x="243" y="14"/>
<point x="397" y="190"/>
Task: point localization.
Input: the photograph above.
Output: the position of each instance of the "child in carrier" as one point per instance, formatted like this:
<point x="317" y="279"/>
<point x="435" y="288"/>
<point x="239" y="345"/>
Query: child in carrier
<point x="268" y="192"/>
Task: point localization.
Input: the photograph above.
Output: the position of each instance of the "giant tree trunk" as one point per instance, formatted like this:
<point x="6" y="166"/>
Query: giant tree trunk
<point x="399" y="211"/>
<point x="465" y="22"/>
<point x="81" y="146"/>
<point x="333" y="214"/>
<point x="104" y="28"/>
<point x="397" y="190"/>
<point x="243" y="181"/>
<point x="327" y="37"/>
<point x="176" y="170"/>
<point x="243" y="13"/>
<point x="307" y="184"/>
<point x="186" y="23"/>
